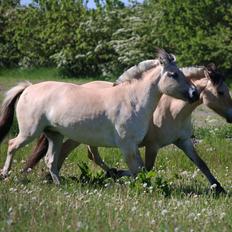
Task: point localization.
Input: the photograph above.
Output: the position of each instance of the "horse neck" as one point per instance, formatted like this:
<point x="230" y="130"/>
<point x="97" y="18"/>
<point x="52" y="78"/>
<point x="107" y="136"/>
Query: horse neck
<point x="144" y="93"/>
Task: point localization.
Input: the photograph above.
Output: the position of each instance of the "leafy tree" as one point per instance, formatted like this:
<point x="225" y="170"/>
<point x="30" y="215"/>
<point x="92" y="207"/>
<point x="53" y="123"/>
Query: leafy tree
<point x="9" y="53"/>
<point x="113" y="37"/>
<point x="198" y="31"/>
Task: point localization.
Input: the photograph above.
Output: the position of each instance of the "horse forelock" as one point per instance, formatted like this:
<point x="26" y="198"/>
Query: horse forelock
<point x="135" y="72"/>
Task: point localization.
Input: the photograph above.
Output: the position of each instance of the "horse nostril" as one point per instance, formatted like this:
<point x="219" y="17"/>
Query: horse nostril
<point x="193" y="95"/>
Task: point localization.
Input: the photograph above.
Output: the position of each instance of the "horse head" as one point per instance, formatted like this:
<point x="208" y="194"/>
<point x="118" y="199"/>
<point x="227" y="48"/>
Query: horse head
<point x="173" y="82"/>
<point x="216" y="94"/>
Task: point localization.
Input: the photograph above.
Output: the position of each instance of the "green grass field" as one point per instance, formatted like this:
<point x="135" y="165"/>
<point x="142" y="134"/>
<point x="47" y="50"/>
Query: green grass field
<point x="175" y="196"/>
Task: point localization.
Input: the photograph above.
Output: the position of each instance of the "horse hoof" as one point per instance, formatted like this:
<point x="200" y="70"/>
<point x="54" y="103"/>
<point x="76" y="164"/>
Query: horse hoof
<point x="122" y="173"/>
<point x="112" y="172"/>
<point x="115" y="173"/>
<point x="3" y="175"/>
<point x="218" y="189"/>
<point x="55" y="178"/>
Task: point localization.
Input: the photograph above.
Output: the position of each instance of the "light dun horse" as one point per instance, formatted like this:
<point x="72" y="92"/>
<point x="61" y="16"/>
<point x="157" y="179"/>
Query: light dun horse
<point x="171" y="122"/>
<point x="115" y="117"/>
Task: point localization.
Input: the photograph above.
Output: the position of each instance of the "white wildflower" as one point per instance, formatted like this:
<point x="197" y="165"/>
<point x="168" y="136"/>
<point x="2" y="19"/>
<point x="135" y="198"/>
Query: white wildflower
<point x="144" y="185"/>
<point x="152" y="221"/>
<point x="164" y="212"/>
<point x="222" y="215"/>
<point x="79" y="226"/>
<point x="191" y="215"/>
<point x="133" y="209"/>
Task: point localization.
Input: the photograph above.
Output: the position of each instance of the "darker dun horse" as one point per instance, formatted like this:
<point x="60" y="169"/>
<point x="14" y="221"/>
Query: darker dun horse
<point x="171" y="122"/>
<point x="115" y="117"/>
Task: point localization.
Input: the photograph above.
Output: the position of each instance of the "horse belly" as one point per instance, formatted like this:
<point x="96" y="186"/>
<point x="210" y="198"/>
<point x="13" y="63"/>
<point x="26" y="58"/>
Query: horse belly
<point x="91" y="132"/>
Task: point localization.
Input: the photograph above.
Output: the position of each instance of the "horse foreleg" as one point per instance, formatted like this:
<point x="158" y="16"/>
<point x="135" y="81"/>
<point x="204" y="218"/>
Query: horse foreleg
<point x="188" y="148"/>
<point x="150" y="156"/>
<point x="52" y="156"/>
<point x="132" y="158"/>
<point x="94" y="155"/>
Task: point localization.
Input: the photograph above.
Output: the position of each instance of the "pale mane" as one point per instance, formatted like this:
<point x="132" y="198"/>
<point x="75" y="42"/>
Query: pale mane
<point x="136" y="71"/>
<point x="193" y="72"/>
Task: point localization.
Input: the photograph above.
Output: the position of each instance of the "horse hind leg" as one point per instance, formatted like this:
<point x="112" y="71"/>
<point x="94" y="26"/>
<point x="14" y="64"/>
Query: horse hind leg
<point x="66" y="149"/>
<point x="94" y="155"/>
<point x="38" y="153"/>
<point x="52" y="157"/>
<point x="29" y="128"/>
<point x="13" y="146"/>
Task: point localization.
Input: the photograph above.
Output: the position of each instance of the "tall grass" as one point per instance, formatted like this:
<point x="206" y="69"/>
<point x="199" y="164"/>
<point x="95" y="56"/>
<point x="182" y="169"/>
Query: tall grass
<point x="33" y="204"/>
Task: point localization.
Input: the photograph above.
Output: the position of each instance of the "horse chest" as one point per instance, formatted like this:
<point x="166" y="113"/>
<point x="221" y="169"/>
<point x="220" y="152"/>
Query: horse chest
<point x="168" y="132"/>
<point x="133" y="127"/>
<point x="176" y="133"/>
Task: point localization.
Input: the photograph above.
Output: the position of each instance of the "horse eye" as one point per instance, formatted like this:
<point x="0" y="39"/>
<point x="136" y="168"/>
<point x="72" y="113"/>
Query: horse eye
<point x="221" y="93"/>
<point x="174" y="75"/>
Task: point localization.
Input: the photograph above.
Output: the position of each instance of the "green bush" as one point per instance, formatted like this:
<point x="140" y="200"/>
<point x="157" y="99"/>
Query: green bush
<point x="106" y="40"/>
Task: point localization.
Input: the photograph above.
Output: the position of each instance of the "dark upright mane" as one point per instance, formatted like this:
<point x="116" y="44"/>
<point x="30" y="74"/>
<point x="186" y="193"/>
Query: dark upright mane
<point x="215" y="75"/>
<point x="165" y="57"/>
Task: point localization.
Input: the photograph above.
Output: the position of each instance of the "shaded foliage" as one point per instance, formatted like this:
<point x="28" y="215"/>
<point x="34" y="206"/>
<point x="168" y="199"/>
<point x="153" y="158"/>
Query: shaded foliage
<point x="112" y="37"/>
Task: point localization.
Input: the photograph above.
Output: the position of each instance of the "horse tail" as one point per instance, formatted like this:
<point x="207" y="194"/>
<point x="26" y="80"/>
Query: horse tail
<point x="8" y="107"/>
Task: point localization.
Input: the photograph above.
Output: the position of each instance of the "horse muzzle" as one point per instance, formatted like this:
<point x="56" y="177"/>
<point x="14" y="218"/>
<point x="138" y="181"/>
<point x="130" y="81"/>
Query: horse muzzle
<point x="193" y="94"/>
<point x="229" y="116"/>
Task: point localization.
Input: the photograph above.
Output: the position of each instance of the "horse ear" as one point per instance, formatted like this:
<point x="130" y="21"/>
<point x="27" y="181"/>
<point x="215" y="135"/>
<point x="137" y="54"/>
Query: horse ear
<point x="164" y="57"/>
<point x="213" y="74"/>
<point x="209" y="70"/>
<point x="173" y="57"/>
<point x="159" y="52"/>
<point x="211" y="67"/>
<point x="206" y="72"/>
